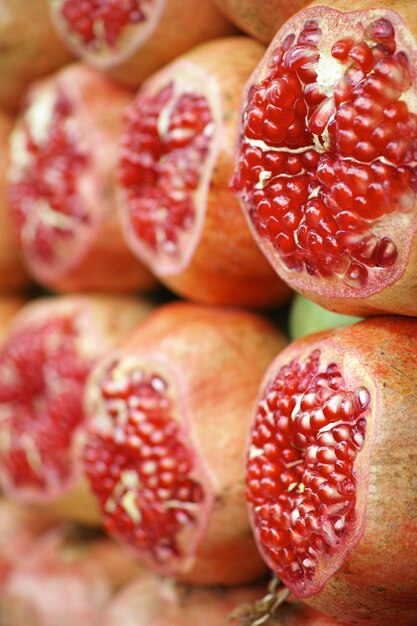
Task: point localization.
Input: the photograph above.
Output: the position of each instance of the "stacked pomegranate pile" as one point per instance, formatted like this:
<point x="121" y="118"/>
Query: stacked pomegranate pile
<point x="208" y="333"/>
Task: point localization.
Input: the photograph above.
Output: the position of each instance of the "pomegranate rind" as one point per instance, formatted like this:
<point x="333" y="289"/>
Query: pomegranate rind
<point x="390" y="289"/>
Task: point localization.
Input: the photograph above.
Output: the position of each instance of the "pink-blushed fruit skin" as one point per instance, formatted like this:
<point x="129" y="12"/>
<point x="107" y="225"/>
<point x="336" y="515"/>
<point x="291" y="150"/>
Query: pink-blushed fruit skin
<point x="9" y="307"/>
<point x="103" y="263"/>
<point x="29" y="48"/>
<point x="259" y="19"/>
<point x="400" y="296"/>
<point x="376" y="583"/>
<point x="215" y="358"/>
<point x="19" y="529"/>
<point x="151" y="601"/>
<point x="65" y="581"/>
<point x="102" y="321"/>
<point x="12" y="275"/>
<point x="224" y="266"/>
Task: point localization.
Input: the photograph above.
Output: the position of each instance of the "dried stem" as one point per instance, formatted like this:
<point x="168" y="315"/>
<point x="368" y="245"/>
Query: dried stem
<point x="261" y="611"/>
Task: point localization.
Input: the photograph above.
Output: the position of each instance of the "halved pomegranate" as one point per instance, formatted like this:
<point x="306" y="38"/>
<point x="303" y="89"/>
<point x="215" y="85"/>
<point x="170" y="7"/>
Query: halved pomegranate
<point x="261" y="19"/>
<point x="30" y="48"/>
<point x="330" y="471"/>
<point x="165" y="444"/>
<point x="66" y="579"/>
<point x="50" y="348"/>
<point x="12" y="275"/>
<point x="61" y="191"/>
<point x="177" y="212"/>
<point x="135" y="37"/>
<point x="327" y="160"/>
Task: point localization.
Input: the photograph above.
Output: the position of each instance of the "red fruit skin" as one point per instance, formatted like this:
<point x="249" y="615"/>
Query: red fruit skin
<point x="65" y="581"/>
<point x="259" y="19"/>
<point x="223" y="266"/>
<point x="19" y="529"/>
<point x="299" y="614"/>
<point x="12" y="275"/>
<point x="371" y="586"/>
<point x="102" y="262"/>
<point x="151" y="601"/>
<point x="204" y="353"/>
<point x="101" y="322"/>
<point x="29" y="48"/>
<point x="400" y="296"/>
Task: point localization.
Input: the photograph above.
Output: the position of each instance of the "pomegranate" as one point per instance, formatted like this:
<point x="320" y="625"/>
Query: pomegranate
<point x="331" y="473"/>
<point x="66" y="579"/>
<point x="177" y="212"/>
<point x="259" y="19"/>
<point x="326" y="165"/>
<point x="165" y="443"/>
<point x="9" y="306"/>
<point x="63" y="155"/>
<point x="306" y="317"/>
<point x="12" y="275"/>
<point x="136" y="37"/>
<point x="150" y="601"/>
<point x="19" y="529"/>
<point x="30" y="48"/>
<point x="44" y="361"/>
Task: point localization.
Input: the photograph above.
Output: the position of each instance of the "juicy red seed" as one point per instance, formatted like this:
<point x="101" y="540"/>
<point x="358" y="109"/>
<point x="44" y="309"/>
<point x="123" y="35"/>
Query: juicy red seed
<point x="164" y="166"/>
<point x="324" y="430"/>
<point x="88" y="17"/>
<point x="142" y="469"/>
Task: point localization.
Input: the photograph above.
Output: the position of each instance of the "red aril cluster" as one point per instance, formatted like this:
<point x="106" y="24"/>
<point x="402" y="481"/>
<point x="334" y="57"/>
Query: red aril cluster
<point x="326" y="164"/>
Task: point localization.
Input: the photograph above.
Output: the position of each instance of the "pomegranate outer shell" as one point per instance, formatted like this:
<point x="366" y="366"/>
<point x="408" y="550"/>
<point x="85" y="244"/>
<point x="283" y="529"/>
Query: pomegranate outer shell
<point x="234" y="349"/>
<point x="376" y="583"/>
<point x="107" y="265"/>
<point x="108" y="319"/>
<point x="12" y="275"/>
<point x="29" y="48"/>
<point x="401" y="297"/>
<point x="9" y="306"/>
<point x="226" y="268"/>
<point x="299" y="614"/>
<point x="86" y="573"/>
<point x="180" y="28"/>
<point x="259" y="19"/>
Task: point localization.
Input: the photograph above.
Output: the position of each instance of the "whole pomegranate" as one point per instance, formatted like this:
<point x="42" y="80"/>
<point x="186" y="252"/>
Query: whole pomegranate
<point x="45" y="358"/>
<point x="30" y="48"/>
<point x="261" y="19"/>
<point x="165" y="444"/>
<point x="151" y="601"/>
<point x="19" y="529"/>
<point x="12" y="275"/>
<point x="65" y="579"/>
<point x="326" y="164"/>
<point x="135" y="38"/>
<point x="177" y="212"/>
<point x="61" y="184"/>
<point x="331" y="473"/>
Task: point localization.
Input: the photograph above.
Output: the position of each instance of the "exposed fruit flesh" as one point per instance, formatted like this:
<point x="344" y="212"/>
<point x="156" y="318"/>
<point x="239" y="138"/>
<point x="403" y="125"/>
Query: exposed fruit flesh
<point x="162" y="169"/>
<point x="327" y="167"/>
<point x="42" y="379"/>
<point x="301" y="481"/>
<point x="48" y="189"/>
<point x="141" y="466"/>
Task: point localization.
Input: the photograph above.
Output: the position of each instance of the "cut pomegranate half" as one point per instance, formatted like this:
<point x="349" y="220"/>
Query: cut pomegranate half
<point x="166" y="438"/>
<point x="44" y="361"/>
<point x="326" y="169"/>
<point x="177" y="212"/>
<point x="135" y="37"/>
<point x="61" y="184"/>
<point x="329" y="467"/>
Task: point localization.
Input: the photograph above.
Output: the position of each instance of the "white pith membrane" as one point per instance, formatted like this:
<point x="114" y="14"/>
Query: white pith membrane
<point x="105" y="44"/>
<point x="53" y="196"/>
<point x="43" y="367"/>
<point x="332" y="233"/>
<point x="140" y="460"/>
<point x="164" y="176"/>
<point x="308" y="463"/>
